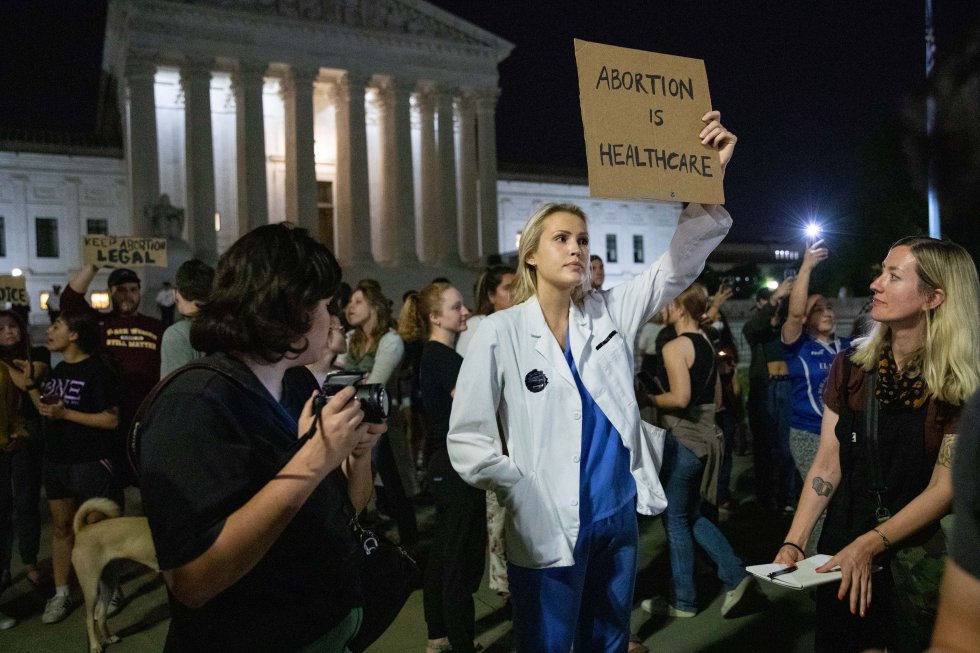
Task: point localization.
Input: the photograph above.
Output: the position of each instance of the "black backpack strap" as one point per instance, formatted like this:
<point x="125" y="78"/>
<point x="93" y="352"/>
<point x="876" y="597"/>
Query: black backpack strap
<point x="134" y="436"/>
<point x="843" y="392"/>
<point x="875" y="472"/>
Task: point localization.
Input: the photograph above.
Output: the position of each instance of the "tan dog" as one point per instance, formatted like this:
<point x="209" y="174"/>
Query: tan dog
<point x="102" y="535"/>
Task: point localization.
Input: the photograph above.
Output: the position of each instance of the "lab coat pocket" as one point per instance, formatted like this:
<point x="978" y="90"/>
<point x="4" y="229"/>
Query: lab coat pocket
<point x="531" y="524"/>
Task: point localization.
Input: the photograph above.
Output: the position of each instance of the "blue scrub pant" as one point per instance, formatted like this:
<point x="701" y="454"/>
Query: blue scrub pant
<point x="548" y="607"/>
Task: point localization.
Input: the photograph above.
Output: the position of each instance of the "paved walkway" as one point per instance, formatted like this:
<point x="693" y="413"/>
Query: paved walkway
<point x="783" y="623"/>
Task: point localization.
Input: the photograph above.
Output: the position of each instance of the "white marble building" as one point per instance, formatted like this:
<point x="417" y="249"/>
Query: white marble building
<point x="369" y="122"/>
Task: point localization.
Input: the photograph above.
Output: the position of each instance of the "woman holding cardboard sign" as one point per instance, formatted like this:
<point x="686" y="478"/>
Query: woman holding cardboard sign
<point x="557" y="371"/>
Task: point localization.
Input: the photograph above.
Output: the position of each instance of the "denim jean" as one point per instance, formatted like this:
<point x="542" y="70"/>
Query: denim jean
<point x="728" y="424"/>
<point x="762" y="462"/>
<point x="681" y="478"/>
<point x="779" y="409"/>
<point x="20" y="494"/>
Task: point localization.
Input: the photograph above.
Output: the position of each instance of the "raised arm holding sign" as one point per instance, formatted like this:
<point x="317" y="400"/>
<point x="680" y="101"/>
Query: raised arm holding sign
<point x="560" y="357"/>
<point x="640" y="111"/>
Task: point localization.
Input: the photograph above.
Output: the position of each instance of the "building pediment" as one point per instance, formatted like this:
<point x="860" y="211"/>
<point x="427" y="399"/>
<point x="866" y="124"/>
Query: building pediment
<point x="406" y="17"/>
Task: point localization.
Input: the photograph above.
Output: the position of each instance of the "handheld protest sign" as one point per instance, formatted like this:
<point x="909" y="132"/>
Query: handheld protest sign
<point x="124" y="251"/>
<point x="14" y="290"/>
<point x="642" y="116"/>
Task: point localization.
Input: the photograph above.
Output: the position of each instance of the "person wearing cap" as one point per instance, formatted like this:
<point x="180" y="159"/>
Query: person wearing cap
<point x="129" y="337"/>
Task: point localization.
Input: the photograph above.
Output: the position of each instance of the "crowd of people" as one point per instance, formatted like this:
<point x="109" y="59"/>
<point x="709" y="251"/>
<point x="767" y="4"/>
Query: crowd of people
<point x="538" y="424"/>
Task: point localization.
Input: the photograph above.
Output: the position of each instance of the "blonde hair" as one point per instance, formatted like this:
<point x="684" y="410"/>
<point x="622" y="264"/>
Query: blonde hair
<point x="526" y="280"/>
<point x="948" y="359"/>
<point x="371" y="291"/>
<point x="413" y="321"/>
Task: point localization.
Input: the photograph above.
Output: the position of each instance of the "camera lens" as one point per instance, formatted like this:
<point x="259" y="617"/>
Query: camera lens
<point x="374" y="402"/>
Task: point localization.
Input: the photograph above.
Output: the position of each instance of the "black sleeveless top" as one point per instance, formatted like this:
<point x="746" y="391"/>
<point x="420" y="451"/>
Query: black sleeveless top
<point x="702" y="373"/>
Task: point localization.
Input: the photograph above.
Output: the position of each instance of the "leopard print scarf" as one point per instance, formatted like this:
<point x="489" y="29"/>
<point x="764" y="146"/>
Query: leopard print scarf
<point x="905" y="389"/>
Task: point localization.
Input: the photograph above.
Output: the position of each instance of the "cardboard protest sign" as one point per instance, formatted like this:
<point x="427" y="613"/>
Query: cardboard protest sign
<point x="642" y="116"/>
<point x="124" y="251"/>
<point x="14" y="290"/>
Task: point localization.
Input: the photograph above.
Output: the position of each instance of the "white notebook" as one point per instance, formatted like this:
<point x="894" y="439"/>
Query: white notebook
<point x="804" y="576"/>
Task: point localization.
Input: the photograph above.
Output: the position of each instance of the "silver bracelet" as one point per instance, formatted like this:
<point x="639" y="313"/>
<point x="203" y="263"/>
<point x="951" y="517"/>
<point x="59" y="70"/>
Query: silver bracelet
<point x="888" y="543"/>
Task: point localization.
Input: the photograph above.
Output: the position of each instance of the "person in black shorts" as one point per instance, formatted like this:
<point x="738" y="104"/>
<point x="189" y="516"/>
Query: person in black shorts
<point x="79" y="403"/>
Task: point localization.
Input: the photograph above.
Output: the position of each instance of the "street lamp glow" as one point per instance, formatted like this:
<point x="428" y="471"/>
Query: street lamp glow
<point x="16" y="272"/>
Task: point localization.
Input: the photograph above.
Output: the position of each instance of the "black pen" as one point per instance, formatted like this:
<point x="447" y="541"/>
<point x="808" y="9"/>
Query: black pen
<point x="788" y="570"/>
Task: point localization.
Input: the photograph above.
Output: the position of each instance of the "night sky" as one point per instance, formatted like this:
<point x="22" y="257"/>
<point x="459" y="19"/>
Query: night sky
<point x="805" y="85"/>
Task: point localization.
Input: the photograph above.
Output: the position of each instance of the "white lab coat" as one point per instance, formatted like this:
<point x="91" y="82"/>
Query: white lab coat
<point x="538" y="481"/>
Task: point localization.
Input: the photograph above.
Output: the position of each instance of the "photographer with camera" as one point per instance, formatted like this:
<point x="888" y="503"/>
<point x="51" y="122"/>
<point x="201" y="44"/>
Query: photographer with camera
<point x="250" y="521"/>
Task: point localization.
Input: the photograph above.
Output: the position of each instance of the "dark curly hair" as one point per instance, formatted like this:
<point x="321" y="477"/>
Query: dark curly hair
<point x="264" y="288"/>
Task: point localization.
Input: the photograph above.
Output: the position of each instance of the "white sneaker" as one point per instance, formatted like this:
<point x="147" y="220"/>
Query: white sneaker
<point x="735" y="596"/>
<point x="658" y="606"/>
<point x="57" y="608"/>
<point x="116" y="602"/>
<point x="7" y="622"/>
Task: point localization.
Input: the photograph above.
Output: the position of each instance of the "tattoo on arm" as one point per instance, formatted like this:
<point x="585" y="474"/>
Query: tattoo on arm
<point x="822" y="487"/>
<point x="945" y="457"/>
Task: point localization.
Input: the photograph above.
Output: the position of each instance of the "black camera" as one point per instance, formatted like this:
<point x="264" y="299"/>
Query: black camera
<point x="373" y="396"/>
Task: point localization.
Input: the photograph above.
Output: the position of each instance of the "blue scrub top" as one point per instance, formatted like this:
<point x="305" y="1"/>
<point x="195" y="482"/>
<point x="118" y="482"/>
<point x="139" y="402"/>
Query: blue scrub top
<point x="606" y="484"/>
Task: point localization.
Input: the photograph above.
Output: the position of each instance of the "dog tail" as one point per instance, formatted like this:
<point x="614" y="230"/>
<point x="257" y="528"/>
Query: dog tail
<point x="95" y="510"/>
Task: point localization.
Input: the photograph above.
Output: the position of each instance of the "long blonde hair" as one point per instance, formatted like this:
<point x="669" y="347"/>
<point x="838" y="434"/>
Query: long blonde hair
<point x="949" y="360"/>
<point x="526" y="281"/>
<point x="371" y="291"/>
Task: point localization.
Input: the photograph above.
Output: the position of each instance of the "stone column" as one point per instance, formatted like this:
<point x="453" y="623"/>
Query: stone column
<point x="253" y="199"/>
<point x="353" y="210"/>
<point x="407" y="219"/>
<point x="398" y="192"/>
<point x="448" y="208"/>
<point x="486" y="102"/>
<point x="300" y="182"/>
<point x="469" y="228"/>
<point x="428" y="155"/>
<point x="195" y="79"/>
<point x="144" y="164"/>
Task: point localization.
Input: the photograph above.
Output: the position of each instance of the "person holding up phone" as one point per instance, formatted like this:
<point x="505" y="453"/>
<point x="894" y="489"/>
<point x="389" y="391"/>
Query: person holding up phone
<point x="810" y="344"/>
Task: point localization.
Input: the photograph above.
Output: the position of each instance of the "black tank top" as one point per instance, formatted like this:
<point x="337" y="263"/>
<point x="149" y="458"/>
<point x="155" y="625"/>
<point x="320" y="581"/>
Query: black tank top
<point x="702" y="372"/>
